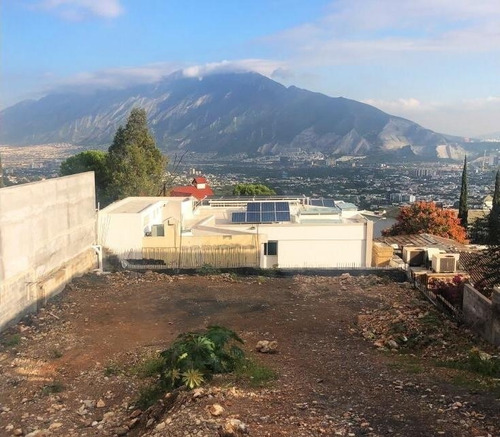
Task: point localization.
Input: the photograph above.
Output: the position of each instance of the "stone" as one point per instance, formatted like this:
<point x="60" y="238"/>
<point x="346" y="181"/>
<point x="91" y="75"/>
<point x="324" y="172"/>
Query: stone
<point x="216" y="409"/>
<point x="267" y="347"/>
<point x="18" y="431"/>
<point x="233" y="428"/>
<point x="135" y="413"/>
<point x="160" y="427"/>
<point x="122" y="430"/>
<point x="55" y="425"/>
<point x="100" y="404"/>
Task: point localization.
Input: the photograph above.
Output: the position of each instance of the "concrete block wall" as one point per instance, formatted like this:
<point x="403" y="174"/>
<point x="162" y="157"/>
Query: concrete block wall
<point x="47" y="229"/>
<point x="482" y="314"/>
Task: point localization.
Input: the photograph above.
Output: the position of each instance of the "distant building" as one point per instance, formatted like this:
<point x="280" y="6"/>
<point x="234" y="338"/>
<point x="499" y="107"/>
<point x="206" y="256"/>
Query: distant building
<point x="199" y="188"/>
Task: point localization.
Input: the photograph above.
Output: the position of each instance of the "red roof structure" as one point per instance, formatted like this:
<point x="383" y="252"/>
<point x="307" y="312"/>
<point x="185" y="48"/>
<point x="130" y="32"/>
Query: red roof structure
<point x="199" y="189"/>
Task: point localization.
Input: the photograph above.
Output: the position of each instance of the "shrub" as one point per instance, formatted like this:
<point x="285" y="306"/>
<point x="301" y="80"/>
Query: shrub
<point x="452" y="291"/>
<point x="196" y="356"/>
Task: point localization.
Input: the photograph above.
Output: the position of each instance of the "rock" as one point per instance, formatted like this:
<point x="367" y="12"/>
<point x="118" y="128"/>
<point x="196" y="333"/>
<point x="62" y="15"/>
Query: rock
<point x="216" y="409"/>
<point x="122" y="430"/>
<point x="160" y="427"/>
<point x="267" y="347"/>
<point x="198" y="392"/>
<point x="100" y="404"/>
<point x="9" y="427"/>
<point x="233" y="428"/>
<point x="55" y="425"/>
<point x="89" y="403"/>
<point x="132" y="423"/>
<point x="135" y="413"/>
<point x="18" y="431"/>
<point x="392" y="344"/>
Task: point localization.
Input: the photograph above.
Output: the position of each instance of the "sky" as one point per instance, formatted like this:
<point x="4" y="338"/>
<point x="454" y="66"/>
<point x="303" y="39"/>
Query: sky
<point x="435" y="62"/>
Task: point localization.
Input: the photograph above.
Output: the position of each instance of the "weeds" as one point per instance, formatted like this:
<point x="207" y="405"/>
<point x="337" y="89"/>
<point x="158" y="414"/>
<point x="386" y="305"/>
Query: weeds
<point x="476" y="362"/>
<point x="55" y="353"/>
<point x="149" y="395"/>
<point x="207" y="270"/>
<point x="111" y="369"/>
<point x="150" y="367"/>
<point x="54" y="387"/>
<point x="256" y="374"/>
<point x="11" y="340"/>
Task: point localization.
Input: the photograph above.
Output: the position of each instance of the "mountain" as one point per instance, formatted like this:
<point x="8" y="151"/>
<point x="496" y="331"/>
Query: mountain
<point x="225" y="113"/>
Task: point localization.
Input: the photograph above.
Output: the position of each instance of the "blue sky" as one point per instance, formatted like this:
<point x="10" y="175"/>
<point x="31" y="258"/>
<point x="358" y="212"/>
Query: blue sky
<point x="436" y="62"/>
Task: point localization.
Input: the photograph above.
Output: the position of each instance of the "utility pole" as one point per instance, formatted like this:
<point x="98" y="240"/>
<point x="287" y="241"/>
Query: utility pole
<point x="1" y="173"/>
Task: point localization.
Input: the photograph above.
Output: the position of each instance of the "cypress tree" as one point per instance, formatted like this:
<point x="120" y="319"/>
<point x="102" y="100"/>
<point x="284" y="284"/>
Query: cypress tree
<point x="463" y="210"/>
<point x="494" y="219"/>
<point x="136" y="166"/>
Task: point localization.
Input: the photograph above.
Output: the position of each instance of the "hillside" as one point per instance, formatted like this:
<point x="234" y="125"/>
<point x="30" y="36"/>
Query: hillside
<point x="224" y="113"/>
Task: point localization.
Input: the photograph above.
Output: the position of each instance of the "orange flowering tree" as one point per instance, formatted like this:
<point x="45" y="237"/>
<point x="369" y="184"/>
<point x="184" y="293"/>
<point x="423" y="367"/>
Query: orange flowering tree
<point x="426" y="217"/>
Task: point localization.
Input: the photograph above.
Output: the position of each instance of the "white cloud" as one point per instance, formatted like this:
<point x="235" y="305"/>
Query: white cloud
<point x="467" y="117"/>
<point x="361" y="30"/>
<point x="76" y="10"/>
<point x="265" y="67"/>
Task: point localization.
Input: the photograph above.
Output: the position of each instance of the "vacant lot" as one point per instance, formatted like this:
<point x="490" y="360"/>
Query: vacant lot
<point x="77" y="367"/>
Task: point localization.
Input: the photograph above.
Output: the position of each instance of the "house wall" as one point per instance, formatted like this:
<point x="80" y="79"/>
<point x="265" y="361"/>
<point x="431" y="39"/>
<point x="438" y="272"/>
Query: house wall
<point x="120" y="232"/>
<point x="47" y="229"/>
<point x="342" y="245"/>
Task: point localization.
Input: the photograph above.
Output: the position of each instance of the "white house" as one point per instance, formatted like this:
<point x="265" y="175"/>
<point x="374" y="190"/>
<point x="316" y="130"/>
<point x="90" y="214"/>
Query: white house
<point x="283" y="232"/>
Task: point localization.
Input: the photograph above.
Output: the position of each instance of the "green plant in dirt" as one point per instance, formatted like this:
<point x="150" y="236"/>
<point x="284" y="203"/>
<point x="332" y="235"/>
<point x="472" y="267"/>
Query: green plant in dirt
<point x="52" y="388"/>
<point x="111" y="369"/>
<point x="477" y="362"/>
<point x="11" y="340"/>
<point x="256" y="374"/>
<point x="196" y="356"/>
<point x="55" y="353"/>
<point x="151" y="366"/>
<point x="207" y="270"/>
<point x="149" y="395"/>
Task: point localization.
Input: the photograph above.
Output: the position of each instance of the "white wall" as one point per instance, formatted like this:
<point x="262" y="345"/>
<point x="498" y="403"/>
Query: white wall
<point x="315" y="246"/>
<point x="44" y="227"/>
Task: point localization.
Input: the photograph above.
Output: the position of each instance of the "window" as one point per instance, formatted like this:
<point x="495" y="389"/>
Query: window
<point x="271" y="248"/>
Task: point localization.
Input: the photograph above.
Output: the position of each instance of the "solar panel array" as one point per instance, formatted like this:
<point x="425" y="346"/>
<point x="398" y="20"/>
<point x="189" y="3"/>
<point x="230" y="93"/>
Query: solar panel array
<point x="322" y="202"/>
<point x="263" y="212"/>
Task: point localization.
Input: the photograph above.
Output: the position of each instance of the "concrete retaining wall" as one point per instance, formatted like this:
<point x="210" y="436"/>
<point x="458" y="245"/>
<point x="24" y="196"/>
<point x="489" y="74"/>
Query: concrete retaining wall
<point x="482" y="314"/>
<point x="47" y="229"/>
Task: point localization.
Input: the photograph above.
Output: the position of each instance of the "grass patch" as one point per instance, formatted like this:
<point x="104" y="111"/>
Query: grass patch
<point x="11" y="340"/>
<point x="55" y="353"/>
<point x="54" y="387"/>
<point x="148" y="368"/>
<point x="254" y="373"/>
<point x="207" y="270"/>
<point x="476" y="362"/>
<point x="149" y="395"/>
<point x="407" y="364"/>
<point x="111" y="369"/>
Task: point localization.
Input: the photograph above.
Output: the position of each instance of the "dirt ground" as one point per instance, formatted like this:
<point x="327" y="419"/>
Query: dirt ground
<point x="67" y="371"/>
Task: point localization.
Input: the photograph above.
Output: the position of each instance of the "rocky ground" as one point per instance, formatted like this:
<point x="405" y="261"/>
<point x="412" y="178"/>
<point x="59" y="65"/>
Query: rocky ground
<point x="355" y="357"/>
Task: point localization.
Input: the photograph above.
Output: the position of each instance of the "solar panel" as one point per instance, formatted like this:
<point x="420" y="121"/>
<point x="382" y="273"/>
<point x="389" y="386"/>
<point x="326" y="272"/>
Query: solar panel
<point x="316" y="202"/>
<point x="283" y="216"/>
<point x="282" y="206"/>
<point x="268" y="207"/>
<point x="238" y="217"/>
<point x="253" y="207"/>
<point x="268" y="216"/>
<point x="253" y="217"/>
<point x="328" y="202"/>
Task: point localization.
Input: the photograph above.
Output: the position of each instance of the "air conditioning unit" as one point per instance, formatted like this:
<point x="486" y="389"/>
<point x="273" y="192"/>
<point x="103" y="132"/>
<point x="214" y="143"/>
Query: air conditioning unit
<point x="414" y="256"/>
<point x="157" y="231"/>
<point x="445" y="263"/>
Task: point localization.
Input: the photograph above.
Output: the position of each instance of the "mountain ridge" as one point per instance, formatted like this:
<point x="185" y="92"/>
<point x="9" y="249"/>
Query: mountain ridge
<point x="227" y="113"/>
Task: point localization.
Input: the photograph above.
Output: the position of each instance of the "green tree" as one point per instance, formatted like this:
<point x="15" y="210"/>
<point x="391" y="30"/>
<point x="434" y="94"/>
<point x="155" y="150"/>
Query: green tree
<point x="90" y="160"/>
<point x="494" y="219"/>
<point x="136" y="166"/>
<point x="252" y="190"/>
<point x="463" y="210"/>
<point x="479" y="231"/>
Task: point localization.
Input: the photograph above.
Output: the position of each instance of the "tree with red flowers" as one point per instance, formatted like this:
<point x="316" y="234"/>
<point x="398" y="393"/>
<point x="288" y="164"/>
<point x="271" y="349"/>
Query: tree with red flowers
<point x="426" y="217"/>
